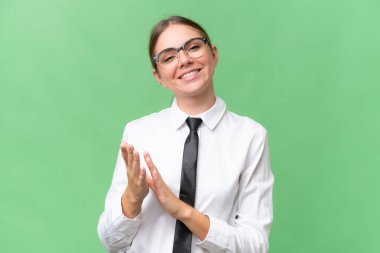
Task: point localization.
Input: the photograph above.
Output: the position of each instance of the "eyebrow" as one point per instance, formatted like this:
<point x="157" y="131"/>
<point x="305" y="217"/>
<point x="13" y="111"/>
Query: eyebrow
<point x="183" y="43"/>
<point x="172" y="47"/>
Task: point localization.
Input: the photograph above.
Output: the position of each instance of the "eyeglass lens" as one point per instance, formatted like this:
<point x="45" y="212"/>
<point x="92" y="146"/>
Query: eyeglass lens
<point x="194" y="48"/>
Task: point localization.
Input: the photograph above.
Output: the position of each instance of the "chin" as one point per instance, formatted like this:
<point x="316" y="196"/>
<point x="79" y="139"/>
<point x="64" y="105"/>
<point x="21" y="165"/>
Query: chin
<point x="195" y="91"/>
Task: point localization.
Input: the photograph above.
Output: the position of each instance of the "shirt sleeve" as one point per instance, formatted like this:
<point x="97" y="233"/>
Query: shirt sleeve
<point x="250" y="229"/>
<point x="116" y="231"/>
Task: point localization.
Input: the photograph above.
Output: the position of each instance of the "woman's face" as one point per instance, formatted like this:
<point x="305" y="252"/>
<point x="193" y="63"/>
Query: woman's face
<point x="186" y="77"/>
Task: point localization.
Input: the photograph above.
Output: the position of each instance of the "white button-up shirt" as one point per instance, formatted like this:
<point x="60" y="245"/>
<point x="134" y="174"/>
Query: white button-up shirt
<point x="234" y="184"/>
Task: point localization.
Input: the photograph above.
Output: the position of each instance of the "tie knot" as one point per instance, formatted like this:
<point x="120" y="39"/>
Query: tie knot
<point x="193" y="123"/>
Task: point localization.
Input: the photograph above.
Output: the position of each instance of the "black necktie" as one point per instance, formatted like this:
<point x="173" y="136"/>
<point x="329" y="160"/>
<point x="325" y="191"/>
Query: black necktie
<point x="182" y="236"/>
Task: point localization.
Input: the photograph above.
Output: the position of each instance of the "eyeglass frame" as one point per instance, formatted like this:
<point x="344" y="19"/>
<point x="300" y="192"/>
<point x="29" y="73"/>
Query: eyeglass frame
<point x="156" y="58"/>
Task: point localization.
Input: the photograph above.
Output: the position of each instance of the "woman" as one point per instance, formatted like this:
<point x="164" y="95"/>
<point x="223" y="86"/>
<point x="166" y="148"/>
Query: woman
<point x="207" y="189"/>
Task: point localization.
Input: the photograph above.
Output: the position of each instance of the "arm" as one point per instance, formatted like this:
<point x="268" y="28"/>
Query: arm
<point x="115" y="230"/>
<point x="120" y="222"/>
<point x="254" y="215"/>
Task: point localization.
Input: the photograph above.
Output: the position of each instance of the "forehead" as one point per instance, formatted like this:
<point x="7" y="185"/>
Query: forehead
<point x="175" y="36"/>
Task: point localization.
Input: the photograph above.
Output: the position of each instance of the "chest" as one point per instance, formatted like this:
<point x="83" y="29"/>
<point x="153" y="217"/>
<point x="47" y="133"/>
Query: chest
<point x="221" y="159"/>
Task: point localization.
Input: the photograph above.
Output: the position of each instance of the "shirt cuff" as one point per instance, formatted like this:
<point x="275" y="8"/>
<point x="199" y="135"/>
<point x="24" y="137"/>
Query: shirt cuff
<point x="123" y="228"/>
<point x="217" y="235"/>
<point x="126" y="226"/>
<point x="122" y="223"/>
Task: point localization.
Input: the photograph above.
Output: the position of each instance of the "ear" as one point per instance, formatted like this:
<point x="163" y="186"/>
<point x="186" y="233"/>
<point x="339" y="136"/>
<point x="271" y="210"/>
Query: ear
<point x="157" y="76"/>
<point x="215" y="56"/>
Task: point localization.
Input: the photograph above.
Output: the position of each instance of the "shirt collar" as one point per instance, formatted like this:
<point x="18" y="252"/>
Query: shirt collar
<point x="210" y="118"/>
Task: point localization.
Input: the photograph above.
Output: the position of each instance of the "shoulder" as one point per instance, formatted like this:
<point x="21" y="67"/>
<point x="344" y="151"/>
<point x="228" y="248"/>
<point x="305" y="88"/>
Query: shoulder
<point x="247" y="133"/>
<point x="148" y="122"/>
<point x="244" y="124"/>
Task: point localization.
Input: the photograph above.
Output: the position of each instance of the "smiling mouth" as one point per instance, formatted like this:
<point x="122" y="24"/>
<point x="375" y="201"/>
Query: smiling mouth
<point x="189" y="75"/>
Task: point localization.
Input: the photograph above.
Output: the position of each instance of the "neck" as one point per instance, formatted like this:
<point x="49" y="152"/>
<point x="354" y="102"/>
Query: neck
<point x="196" y="105"/>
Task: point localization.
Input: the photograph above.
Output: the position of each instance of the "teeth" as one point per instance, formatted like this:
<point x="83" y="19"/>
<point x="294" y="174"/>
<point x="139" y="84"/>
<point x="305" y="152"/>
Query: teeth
<point x="189" y="74"/>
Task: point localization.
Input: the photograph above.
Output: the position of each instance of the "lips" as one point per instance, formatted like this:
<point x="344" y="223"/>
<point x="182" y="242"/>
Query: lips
<point x="189" y="75"/>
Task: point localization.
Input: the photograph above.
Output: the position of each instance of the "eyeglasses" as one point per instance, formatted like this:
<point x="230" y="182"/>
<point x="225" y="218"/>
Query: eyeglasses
<point x="194" y="48"/>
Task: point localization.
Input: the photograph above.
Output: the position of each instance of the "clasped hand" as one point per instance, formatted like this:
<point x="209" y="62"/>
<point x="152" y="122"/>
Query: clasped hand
<point x="139" y="183"/>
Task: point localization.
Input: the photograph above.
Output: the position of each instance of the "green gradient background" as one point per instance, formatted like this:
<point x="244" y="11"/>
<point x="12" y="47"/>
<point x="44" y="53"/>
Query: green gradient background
<point x="72" y="73"/>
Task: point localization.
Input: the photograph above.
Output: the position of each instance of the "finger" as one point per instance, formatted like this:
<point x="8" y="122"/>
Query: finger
<point x="141" y="180"/>
<point x="156" y="177"/>
<point x="149" y="162"/>
<point x="149" y="181"/>
<point x="130" y="155"/>
<point x="124" y="151"/>
<point x="136" y="164"/>
<point x="124" y="154"/>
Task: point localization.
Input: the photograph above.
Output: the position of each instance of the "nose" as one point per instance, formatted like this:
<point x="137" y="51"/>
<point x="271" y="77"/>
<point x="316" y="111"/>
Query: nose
<point x="183" y="58"/>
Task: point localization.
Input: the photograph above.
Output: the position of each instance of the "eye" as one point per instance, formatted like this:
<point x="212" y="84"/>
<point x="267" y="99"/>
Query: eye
<point x="168" y="59"/>
<point x="193" y="48"/>
<point x="168" y="56"/>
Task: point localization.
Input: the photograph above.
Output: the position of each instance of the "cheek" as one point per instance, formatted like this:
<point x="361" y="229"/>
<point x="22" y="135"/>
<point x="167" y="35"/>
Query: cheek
<point x="210" y="66"/>
<point x="166" y="74"/>
<point x="209" y="61"/>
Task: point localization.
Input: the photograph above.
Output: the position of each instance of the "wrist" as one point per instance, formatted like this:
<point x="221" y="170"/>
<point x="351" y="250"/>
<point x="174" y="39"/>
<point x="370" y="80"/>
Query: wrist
<point x="185" y="212"/>
<point x="131" y="198"/>
<point x="130" y="205"/>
